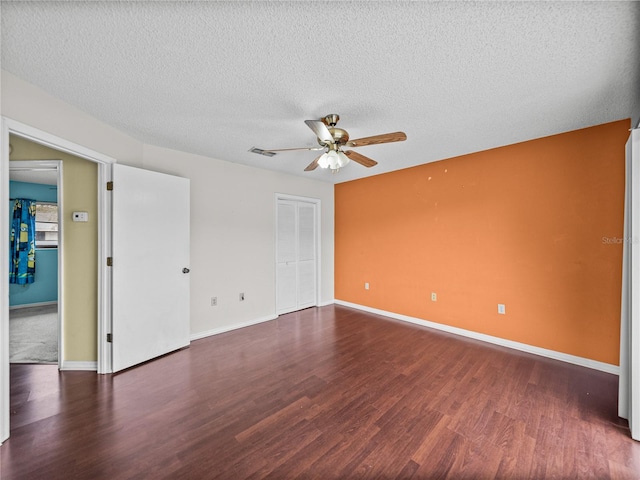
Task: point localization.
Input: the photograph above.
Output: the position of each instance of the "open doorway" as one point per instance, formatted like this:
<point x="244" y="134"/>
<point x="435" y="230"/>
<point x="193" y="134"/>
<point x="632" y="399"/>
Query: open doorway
<point x="77" y="289"/>
<point x="34" y="308"/>
<point x="77" y="358"/>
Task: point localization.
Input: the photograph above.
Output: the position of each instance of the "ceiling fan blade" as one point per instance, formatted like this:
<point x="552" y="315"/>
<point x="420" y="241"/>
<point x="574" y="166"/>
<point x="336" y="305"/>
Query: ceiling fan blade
<point x="378" y="139"/>
<point x="313" y="165"/>
<point x="271" y="153"/>
<point x="361" y="159"/>
<point x="321" y="130"/>
<point x="291" y="149"/>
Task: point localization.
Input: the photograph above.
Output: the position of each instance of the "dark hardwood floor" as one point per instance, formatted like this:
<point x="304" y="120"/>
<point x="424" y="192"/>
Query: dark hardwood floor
<point x="326" y="393"/>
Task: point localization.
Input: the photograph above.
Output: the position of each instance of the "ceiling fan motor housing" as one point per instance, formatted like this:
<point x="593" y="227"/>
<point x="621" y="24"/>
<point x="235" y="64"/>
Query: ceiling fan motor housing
<point x="339" y="135"/>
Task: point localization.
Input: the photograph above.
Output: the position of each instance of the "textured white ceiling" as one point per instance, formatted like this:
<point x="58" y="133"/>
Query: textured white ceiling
<point x="217" y="78"/>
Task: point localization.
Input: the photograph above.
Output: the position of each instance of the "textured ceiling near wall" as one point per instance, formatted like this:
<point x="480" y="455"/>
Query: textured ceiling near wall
<point x="217" y="78"/>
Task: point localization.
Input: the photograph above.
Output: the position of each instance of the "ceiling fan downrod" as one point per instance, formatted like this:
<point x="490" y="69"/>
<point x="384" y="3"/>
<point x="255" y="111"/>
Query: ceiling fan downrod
<point x="331" y="120"/>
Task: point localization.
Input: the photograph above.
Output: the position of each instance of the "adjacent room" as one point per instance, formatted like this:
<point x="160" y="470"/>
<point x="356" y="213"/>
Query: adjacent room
<point x="33" y="299"/>
<point x="320" y="239"/>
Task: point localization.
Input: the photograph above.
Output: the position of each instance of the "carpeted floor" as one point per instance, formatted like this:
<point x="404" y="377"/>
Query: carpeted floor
<point x="33" y="334"/>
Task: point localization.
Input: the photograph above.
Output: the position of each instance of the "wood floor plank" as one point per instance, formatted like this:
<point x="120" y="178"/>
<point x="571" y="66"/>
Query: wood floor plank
<point x="326" y="393"/>
<point x="517" y="456"/>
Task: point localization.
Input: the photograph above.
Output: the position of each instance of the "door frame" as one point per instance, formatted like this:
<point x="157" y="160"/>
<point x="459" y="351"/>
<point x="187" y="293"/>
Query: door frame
<point x="104" y="162"/>
<point x="629" y="378"/>
<point x="318" y="205"/>
<point x="56" y="165"/>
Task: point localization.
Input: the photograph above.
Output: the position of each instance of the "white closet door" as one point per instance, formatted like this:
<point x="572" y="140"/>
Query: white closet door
<point x="306" y="255"/>
<point x="286" y="255"/>
<point x="296" y="257"/>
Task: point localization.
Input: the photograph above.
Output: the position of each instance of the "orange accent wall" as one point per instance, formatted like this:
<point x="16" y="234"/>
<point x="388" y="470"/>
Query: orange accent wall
<point x="536" y="226"/>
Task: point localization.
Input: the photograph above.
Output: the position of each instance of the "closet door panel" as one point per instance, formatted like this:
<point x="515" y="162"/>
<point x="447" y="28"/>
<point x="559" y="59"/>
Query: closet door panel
<point x="306" y="284"/>
<point x="306" y="254"/>
<point x="286" y="254"/>
<point x="306" y="231"/>
<point x="286" y="248"/>
<point x="286" y="284"/>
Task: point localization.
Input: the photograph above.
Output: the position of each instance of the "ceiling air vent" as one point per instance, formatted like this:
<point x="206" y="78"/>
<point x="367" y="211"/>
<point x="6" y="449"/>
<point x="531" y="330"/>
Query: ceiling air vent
<point x="259" y="151"/>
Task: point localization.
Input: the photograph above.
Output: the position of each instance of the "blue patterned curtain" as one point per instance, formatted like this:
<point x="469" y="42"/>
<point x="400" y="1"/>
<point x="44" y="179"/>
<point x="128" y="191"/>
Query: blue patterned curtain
<point x="22" y="247"/>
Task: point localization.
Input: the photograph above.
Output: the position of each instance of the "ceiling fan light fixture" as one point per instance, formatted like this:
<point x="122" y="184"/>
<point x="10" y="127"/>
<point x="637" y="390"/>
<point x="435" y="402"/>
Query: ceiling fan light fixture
<point x="323" y="162"/>
<point x="343" y="159"/>
<point x="333" y="160"/>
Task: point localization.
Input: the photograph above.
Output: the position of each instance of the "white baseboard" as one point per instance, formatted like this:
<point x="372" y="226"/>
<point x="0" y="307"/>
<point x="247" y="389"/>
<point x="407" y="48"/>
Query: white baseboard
<point x="27" y="305"/>
<point x="229" y="328"/>
<point x="523" y="347"/>
<point x="324" y="304"/>
<point x="86" y="366"/>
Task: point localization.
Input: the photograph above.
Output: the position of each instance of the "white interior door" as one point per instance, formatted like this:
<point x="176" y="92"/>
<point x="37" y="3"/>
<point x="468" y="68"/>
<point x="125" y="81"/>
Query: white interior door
<point x="629" y="379"/>
<point x="296" y="255"/>
<point x="150" y="251"/>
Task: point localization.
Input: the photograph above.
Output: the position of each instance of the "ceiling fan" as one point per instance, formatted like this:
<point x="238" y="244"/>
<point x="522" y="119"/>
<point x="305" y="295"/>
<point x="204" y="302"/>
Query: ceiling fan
<point x="332" y="140"/>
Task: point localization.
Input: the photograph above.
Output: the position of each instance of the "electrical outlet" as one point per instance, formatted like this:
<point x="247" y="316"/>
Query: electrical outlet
<point x="214" y="301"/>
<point x="242" y="297"/>
<point x="366" y="285"/>
<point x="434" y="297"/>
<point x="501" y="309"/>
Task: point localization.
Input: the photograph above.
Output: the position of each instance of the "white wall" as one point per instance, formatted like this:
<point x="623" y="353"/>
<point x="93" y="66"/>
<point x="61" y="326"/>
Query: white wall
<point x="32" y="106"/>
<point x="233" y="236"/>
<point x="232" y="209"/>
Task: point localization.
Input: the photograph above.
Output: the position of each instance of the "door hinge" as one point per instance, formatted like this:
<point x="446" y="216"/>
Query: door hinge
<point x="109" y="261"/>
<point x="109" y="186"/>
<point x="109" y="338"/>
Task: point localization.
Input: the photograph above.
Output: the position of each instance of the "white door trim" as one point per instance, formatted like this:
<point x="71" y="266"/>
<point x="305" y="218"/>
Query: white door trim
<point x="10" y="126"/>
<point x="57" y="166"/>
<point x="629" y="384"/>
<point x="318" y="204"/>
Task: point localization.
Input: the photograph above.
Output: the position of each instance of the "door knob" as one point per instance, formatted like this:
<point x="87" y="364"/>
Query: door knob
<point x="185" y="270"/>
